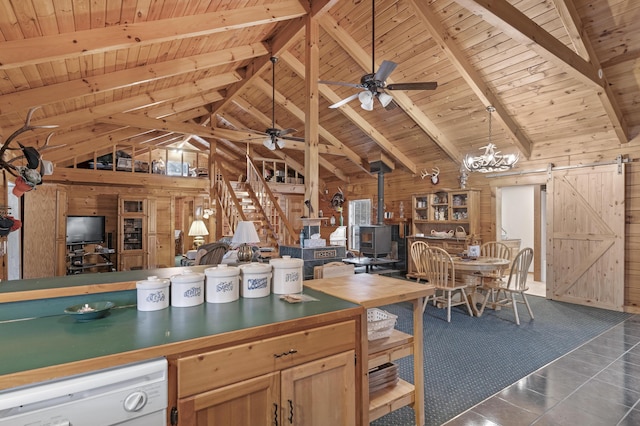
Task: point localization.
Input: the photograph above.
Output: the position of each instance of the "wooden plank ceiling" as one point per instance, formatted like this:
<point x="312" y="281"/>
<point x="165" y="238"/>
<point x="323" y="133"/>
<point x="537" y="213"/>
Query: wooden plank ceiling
<point x="164" y="71"/>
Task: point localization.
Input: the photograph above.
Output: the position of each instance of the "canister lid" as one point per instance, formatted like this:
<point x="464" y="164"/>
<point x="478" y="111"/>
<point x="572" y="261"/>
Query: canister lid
<point x="255" y="268"/>
<point x="286" y="262"/>
<point x="152" y="283"/>
<point x="222" y="270"/>
<point x="187" y="276"/>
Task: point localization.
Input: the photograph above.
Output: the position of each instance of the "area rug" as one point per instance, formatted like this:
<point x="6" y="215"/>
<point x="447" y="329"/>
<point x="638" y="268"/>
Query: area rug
<point x="470" y="359"/>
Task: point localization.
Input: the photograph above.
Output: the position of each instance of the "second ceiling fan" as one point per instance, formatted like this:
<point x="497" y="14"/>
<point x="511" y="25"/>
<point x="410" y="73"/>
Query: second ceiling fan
<point x="276" y="137"/>
<point x="374" y="84"/>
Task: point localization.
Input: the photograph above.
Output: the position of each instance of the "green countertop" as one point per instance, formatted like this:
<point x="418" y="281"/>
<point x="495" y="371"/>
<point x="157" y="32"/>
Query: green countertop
<point x="36" y="334"/>
<point x="52" y="340"/>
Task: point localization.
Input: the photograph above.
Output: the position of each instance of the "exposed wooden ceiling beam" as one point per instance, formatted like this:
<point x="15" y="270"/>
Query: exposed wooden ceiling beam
<point x="575" y="29"/>
<point x="519" y="27"/>
<point x="91" y="85"/>
<point x="363" y="59"/>
<point x="88" y="115"/>
<point x="471" y="76"/>
<point x="29" y="51"/>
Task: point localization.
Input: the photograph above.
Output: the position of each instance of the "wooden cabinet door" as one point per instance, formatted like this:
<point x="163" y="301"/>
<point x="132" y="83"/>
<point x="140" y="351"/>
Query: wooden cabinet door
<point x="320" y="393"/>
<point x="252" y="402"/>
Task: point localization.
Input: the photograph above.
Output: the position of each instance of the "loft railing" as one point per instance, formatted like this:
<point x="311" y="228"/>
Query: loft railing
<point x="144" y="159"/>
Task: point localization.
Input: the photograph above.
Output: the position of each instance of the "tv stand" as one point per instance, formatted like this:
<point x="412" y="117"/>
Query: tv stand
<point x="80" y="261"/>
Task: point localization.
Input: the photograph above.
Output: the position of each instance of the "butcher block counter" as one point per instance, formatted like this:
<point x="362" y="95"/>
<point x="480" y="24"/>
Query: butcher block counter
<point x="40" y="342"/>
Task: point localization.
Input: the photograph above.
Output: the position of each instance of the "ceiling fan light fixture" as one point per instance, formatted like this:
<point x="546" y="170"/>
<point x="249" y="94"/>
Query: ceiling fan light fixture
<point x="268" y="143"/>
<point x="366" y="100"/>
<point x="280" y="143"/>
<point x="385" y="99"/>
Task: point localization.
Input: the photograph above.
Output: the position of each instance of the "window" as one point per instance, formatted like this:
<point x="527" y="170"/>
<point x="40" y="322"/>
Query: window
<point x="359" y="214"/>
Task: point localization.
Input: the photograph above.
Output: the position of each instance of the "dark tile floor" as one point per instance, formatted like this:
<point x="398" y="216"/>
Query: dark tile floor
<point x="596" y="384"/>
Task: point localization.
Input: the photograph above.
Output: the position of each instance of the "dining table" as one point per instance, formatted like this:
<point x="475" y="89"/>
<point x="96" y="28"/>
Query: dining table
<point x="476" y="269"/>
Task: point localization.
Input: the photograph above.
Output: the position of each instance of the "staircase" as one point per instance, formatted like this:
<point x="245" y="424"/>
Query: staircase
<point x="253" y="201"/>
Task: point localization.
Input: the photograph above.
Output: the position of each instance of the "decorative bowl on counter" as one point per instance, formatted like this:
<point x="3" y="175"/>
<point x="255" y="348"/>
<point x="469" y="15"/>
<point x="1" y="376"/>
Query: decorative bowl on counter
<point x="89" y="311"/>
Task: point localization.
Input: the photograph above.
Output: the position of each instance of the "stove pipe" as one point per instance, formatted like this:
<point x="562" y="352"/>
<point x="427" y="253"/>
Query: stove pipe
<point x="380" y="198"/>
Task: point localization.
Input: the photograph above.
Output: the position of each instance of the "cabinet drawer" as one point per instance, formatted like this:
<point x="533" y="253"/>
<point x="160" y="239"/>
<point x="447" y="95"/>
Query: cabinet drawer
<point x="210" y="370"/>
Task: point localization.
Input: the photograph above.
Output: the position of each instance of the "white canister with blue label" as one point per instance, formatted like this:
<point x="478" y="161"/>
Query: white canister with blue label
<point x="288" y="274"/>
<point x="152" y="294"/>
<point x="256" y="280"/>
<point x="223" y="284"/>
<point x="187" y="289"/>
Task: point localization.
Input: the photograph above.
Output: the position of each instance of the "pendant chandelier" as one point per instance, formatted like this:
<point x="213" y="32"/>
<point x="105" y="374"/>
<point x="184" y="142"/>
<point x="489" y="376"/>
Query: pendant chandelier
<point x="491" y="160"/>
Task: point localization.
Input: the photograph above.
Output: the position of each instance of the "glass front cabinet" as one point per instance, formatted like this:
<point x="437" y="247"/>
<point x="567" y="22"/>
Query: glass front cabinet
<point x="132" y="247"/>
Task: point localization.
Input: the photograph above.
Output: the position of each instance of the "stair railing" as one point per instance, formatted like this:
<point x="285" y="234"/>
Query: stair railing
<point x="275" y="217"/>
<point x="227" y="200"/>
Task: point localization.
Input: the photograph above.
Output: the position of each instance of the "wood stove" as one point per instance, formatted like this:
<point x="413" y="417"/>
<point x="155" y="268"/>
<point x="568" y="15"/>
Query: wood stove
<point x="375" y="240"/>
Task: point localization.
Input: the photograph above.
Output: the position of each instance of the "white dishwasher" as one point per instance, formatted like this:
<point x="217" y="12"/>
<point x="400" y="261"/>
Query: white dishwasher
<point x="133" y="394"/>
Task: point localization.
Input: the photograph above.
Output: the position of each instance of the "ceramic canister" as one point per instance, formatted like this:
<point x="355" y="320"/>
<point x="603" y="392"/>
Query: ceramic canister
<point x="256" y="279"/>
<point x="223" y="284"/>
<point x="153" y="294"/>
<point x="287" y="275"/>
<point x="187" y="289"/>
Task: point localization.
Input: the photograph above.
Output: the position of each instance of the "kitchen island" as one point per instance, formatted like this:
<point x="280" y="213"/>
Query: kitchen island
<point x="43" y="343"/>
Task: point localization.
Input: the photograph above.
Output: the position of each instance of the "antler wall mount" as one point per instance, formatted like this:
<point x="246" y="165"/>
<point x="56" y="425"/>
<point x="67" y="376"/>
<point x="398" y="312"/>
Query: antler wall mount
<point x="30" y="175"/>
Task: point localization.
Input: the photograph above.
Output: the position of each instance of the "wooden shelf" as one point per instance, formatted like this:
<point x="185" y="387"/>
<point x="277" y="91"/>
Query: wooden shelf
<point x="390" y="399"/>
<point x="397" y="346"/>
<point x="372" y="291"/>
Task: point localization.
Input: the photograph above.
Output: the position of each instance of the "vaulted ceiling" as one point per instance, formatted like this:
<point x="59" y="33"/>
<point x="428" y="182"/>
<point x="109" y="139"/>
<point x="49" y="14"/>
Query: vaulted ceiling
<point x="142" y="72"/>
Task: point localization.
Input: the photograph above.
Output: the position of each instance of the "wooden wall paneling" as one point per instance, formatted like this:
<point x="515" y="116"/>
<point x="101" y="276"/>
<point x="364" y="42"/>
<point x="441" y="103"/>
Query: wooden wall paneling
<point x="61" y="231"/>
<point x="165" y="243"/>
<point x="39" y="236"/>
<point x="152" y="233"/>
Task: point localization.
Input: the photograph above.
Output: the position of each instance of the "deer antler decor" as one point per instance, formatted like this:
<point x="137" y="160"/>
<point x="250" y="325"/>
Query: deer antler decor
<point x="433" y="175"/>
<point x="27" y="177"/>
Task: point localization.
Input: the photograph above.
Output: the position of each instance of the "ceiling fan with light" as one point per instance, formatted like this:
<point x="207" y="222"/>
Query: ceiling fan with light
<point x="374" y="84"/>
<point x="276" y="137"/>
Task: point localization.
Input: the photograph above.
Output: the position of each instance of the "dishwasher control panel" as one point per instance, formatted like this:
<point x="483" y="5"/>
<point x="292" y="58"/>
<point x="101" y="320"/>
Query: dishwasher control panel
<point x="133" y="394"/>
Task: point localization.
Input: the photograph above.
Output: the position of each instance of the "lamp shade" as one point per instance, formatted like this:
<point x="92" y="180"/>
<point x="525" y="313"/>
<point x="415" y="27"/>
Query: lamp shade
<point x="385" y="99"/>
<point x="366" y="99"/>
<point x="245" y="233"/>
<point x="198" y="228"/>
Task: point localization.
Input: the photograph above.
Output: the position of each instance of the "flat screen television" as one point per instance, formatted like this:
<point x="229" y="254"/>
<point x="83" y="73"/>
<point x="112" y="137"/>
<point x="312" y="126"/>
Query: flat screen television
<point x="85" y="229"/>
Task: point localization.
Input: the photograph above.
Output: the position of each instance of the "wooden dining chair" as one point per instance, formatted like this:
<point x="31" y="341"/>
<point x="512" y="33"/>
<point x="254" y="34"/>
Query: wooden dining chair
<point x="516" y="284"/>
<point x="417" y="250"/>
<point x="501" y="251"/>
<point x="441" y="273"/>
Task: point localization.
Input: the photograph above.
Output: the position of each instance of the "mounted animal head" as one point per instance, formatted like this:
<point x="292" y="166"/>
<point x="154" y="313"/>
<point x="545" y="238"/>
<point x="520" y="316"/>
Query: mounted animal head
<point x="433" y="175"/>
<point x="26" y="176"/>
<point x="337" y="200"/>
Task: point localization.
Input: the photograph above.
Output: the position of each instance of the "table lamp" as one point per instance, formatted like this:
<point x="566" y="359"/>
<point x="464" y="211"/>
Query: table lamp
<point x="198" y="230"/>
<point x="245" y="234"/>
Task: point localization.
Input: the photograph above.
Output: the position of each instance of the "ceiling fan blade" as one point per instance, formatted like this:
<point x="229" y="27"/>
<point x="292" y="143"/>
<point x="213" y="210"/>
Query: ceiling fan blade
<point x="286" y="132"/>
<point x="292" y="138"/>
<point x="385" y="70"/>
<point x="344" y="101"/>
<point x="431" y="85"/>
<point x="340" y="83"/>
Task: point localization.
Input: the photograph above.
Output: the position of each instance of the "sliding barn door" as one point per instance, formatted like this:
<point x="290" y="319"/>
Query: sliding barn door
<point x="585" y="231"/>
